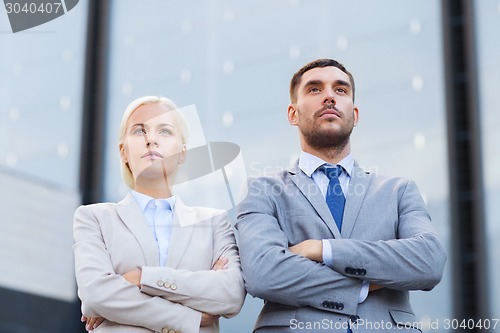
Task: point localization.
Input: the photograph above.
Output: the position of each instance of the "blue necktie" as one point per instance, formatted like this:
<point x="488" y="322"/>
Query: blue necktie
<point x="334" y="196"/>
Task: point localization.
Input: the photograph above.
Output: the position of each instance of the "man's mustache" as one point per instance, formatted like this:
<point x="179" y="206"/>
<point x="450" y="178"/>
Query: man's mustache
<point x="327" y="108"/>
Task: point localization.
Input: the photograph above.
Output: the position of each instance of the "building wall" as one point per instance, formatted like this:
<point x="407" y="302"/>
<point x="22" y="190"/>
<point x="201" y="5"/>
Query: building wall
<point x="41" y="89"/>
<point x="232" y="61"/>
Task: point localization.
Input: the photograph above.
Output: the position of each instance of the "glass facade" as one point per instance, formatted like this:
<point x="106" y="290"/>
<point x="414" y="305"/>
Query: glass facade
<point x="233" y="61"/>
<point x="487" y="15"/>
<point x="229" y="63"/>
<point x="41" y="89"/>
<point x="41" y="94"/>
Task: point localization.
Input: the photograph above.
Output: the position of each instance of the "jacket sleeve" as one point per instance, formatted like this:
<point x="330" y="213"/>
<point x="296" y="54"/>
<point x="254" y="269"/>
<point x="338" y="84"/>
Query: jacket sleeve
<point x="413" y="261"/>
<point x="274" y="273"/>
<point x="107" y="294"/>
<point x="215" y="292"/>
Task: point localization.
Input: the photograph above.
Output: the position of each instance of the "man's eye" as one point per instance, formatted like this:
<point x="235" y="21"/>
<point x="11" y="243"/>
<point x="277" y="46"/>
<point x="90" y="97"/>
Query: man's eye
<point x="314" y="89"/>
<point x="342" y="90"/>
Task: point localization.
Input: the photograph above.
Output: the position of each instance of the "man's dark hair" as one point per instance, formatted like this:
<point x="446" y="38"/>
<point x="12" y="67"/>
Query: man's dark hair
<point x="297" y="77"/>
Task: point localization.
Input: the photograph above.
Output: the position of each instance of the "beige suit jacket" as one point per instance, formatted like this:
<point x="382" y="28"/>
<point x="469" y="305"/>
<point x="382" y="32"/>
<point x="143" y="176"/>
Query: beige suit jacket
<point x="114" y="238"/>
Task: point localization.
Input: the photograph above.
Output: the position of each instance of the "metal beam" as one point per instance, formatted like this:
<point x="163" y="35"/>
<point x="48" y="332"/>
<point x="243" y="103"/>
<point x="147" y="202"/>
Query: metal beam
<point x="93" y="119"/>
<point x="468" y="255"/>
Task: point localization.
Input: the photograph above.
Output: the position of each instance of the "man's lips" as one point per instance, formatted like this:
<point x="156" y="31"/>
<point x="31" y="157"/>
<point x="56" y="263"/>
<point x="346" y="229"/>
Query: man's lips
<point x="328" y="112"/>
<point x="152" y="154"/>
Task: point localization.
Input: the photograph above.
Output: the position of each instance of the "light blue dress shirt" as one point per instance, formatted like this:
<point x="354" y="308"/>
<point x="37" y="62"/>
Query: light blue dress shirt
<point x="309" y="164"/>
<point x="159" y="215"/>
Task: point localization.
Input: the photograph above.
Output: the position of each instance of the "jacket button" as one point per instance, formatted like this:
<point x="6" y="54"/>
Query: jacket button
<point x="348" y="270"/>
<point x="166" y="330"/>
<point x="173" y="286"/>
<point x="166" y="285"/>
<point x="354" y="318"/>
<point x="340" y="306"/>
<point x="160" y="283"/>
<point x="325" y="304"/>
<point x="362" y="271"/>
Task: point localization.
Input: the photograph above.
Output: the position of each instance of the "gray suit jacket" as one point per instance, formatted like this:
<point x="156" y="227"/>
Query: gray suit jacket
<point x="387" y="239"/>
<point x="114" y="238"/>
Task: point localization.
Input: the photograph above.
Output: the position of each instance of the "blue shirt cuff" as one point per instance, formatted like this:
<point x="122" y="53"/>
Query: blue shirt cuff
<point x="327" y="253"/>
<point x="363" y="294"/>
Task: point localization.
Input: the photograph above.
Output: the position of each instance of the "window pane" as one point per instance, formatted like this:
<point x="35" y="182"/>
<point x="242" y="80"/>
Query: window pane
<point x="488" y="34"/>
<point x="41" y="88"/>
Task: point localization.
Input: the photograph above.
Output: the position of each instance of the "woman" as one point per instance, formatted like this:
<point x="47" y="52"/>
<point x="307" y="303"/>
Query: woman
<point x="149" y="262"/>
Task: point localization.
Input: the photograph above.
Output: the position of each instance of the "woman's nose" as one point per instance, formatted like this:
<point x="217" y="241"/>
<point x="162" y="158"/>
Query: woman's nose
<point x="151" y="140"/>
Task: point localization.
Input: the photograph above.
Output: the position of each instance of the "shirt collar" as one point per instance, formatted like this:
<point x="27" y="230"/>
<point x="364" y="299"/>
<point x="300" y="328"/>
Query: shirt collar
<point x="308" y="163"/>
<point x="143" y="200"/>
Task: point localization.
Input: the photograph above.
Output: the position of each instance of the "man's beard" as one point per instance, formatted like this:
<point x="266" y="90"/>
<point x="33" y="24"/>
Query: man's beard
<point x="327" y="138"/>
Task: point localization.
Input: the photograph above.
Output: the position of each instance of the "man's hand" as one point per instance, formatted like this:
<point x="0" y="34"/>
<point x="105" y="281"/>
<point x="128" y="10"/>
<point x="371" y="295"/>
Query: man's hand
<point x="311" y="249"/>
<point x="374" y="287"/>
<point x="133" y="277"/>
<point x="92" y="322"/>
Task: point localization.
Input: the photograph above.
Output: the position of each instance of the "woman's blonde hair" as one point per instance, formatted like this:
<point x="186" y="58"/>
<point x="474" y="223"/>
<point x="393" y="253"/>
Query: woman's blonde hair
<point x="127" y="176"/>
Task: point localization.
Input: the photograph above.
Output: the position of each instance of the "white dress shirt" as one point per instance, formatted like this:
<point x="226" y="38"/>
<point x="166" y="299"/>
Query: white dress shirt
<point x="309" y="164"/>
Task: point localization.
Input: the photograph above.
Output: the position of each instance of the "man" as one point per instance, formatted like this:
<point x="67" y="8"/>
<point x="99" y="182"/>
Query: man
<point x="328" y="246"/>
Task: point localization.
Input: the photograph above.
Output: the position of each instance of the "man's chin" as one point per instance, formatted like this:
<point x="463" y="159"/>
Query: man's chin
<point x="322" y="140"/>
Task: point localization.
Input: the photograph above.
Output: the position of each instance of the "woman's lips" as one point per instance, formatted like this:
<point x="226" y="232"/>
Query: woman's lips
<point x="154" y="155"/>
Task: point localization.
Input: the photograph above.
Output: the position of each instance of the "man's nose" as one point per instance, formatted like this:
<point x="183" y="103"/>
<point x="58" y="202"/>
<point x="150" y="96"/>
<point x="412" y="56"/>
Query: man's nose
<point x="329" y="97"/>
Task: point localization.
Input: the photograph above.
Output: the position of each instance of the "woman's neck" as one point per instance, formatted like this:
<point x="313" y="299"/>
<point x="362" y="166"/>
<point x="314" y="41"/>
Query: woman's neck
<point x="156" y="190"/>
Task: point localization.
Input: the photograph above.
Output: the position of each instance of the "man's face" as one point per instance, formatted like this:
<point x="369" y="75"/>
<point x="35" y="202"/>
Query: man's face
<point x="324" y="109"/>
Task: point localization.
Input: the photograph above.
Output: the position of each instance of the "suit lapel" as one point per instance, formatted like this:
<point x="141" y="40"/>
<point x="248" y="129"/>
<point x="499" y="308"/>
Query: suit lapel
<point x="313" y="194"/>
<point x="130" y="213"/>
<point x="182" y="231"/>
<point x="358" y="187"/>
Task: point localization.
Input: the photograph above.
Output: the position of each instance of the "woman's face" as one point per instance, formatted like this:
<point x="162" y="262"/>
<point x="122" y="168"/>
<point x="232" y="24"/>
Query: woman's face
<point x="152" y="146"/>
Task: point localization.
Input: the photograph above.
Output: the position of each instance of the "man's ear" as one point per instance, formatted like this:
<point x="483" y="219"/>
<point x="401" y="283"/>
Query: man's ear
<point x="123" y="154"/>
<point x="356" y="115"/>
<point x="293" y="116"/>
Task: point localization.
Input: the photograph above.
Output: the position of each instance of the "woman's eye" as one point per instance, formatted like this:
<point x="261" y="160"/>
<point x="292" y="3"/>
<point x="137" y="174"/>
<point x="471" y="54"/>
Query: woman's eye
<point x="139" y="131"/>
<point x="165" y="131"/>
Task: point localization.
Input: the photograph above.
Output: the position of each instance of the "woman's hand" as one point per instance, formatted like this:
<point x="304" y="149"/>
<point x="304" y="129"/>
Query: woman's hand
<point x="208" y="319"/>
<point x="133" y="277"/>
<point x="221" y="263"/>
<point x="92" y="322"/>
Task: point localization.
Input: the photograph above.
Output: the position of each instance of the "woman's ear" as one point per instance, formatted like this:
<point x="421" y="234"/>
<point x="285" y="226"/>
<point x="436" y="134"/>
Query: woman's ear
<point x="123" y="153"/>
<point x="182" y="155"/>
